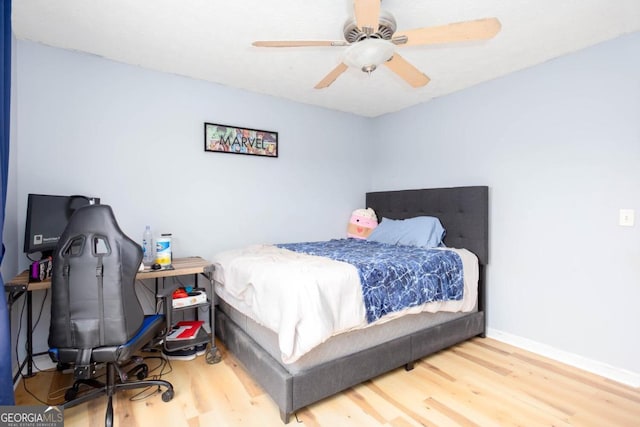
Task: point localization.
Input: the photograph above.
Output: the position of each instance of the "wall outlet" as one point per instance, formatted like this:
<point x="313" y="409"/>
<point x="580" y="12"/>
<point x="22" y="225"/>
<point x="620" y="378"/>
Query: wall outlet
<point x="627" y="217"/>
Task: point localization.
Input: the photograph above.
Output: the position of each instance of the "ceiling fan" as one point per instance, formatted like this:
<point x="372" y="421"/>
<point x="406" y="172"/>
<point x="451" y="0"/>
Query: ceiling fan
<point x="371" y="39"/>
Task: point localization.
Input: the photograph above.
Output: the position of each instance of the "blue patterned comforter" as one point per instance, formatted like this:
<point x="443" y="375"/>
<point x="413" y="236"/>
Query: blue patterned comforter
<point x="394" y="277"/>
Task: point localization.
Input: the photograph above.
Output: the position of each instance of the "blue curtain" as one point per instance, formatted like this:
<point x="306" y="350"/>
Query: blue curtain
<point x="6" y="382"/>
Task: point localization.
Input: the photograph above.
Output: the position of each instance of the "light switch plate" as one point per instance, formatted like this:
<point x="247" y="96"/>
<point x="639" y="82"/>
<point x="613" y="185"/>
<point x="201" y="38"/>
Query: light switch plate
<point x="627" y="217"/>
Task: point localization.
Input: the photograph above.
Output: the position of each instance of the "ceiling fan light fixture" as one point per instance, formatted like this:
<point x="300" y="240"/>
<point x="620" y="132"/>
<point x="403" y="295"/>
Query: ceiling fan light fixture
<point x="371" y="38"/>
<point x="367" y="54"/>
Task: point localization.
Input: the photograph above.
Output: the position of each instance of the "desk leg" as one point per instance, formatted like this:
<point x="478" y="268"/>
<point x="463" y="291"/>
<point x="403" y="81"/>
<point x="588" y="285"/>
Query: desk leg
<point x="213" y="355"/>
<point x="29" y="336"/>
<point x="13" y="297"/>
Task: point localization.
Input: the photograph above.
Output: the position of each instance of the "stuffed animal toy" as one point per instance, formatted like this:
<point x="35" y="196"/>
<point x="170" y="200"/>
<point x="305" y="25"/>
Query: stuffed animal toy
<point x="362" y="223"/>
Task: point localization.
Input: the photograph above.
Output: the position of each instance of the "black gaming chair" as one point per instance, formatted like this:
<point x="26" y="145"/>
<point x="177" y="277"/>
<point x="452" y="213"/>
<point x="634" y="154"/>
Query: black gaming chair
<point x="96" y="317"/>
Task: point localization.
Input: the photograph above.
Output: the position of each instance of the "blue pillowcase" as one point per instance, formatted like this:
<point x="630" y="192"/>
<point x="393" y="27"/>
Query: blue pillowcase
<point x="421" y="231"/>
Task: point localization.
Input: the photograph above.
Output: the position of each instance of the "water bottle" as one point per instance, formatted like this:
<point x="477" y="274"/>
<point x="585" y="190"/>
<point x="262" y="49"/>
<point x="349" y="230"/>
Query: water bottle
<point x="147" y="246"/>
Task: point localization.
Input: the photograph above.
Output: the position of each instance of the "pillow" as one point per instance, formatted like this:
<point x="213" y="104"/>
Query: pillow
<point x="422" y="231"/>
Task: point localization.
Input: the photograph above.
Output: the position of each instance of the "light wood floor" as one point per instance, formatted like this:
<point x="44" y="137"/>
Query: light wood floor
<point x="481" y="382"/>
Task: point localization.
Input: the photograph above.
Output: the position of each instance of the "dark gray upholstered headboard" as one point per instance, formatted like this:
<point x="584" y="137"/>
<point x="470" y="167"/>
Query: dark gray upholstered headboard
<point x="463" y="212"/>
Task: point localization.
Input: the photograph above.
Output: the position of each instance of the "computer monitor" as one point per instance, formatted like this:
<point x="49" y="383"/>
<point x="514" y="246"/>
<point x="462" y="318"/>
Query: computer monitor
<point x="47" y="217"/>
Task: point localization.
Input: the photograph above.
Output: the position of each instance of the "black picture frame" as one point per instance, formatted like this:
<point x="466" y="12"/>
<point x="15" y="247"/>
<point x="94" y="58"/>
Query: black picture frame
<point x="219" y="138"/>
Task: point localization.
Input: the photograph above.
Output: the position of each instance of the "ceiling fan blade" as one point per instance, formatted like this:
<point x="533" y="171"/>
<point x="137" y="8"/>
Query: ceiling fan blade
<point x="408" y="72"/>
<point x="299" y="43"/>
<point x="332" y="76"/>
<point x="480" y="29"/>
<point x="367" y="13"/>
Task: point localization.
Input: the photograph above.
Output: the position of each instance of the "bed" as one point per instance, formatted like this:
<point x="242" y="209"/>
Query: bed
<point x="354" y="356"/>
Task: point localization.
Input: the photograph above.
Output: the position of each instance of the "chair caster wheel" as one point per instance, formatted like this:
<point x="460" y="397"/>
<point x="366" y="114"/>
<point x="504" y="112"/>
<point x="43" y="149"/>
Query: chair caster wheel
<point x="142" y="374"/>
<point x="167" y="395"/>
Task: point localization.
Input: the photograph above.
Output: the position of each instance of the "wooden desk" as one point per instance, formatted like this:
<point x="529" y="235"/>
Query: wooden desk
<point x="181" y="267"/>
<point x="20" y="285"/>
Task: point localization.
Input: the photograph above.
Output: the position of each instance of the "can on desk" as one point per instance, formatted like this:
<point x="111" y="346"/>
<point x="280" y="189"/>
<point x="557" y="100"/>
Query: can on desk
<point x="163" y="250"/>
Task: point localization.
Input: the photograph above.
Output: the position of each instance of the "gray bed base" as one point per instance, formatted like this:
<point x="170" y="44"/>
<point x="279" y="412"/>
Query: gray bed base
<point x="463" y="212"/>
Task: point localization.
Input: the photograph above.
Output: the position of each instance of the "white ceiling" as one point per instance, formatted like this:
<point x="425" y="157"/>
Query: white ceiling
<point x="211" y="40"/>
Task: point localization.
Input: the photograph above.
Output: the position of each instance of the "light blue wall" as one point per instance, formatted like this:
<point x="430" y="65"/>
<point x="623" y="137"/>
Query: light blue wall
<point x="134" y="137"/>
<point x="559" y="146"/>
<point x="86" y="125"/>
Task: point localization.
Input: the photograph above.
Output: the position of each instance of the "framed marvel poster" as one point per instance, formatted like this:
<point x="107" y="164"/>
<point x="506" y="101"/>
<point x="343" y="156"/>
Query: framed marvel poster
<point x="235" y="140"/>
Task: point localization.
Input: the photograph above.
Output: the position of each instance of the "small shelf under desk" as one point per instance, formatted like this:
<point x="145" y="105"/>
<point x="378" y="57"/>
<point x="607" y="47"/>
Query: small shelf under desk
<point x="182" y="267"/>
<point x="202" y="336"/>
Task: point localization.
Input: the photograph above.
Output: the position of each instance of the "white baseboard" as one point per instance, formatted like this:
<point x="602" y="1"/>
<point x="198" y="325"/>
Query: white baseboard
<point x="617" y="374"/>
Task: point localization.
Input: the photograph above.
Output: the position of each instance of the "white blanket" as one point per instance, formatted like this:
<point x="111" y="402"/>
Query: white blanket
<point x="306" y="299"/>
